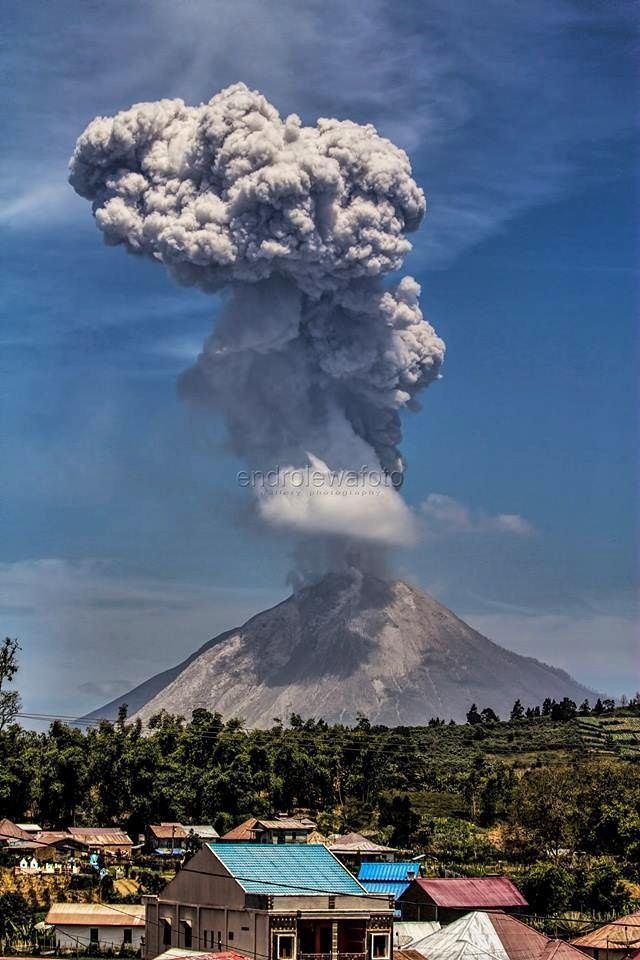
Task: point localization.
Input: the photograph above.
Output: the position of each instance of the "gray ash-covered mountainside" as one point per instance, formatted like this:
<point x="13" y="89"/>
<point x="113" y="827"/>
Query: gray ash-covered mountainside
<point x="350" y="644"/>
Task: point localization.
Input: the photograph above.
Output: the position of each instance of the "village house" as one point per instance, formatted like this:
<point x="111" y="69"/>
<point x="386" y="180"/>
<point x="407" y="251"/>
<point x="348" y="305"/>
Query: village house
<point x="278" y="830"/>
<point x="166" y="839"/>
<point x="288" y="901"/>
<point x="204" y="831"/>
<point x="171" y="838"/>
<point x="79" y="926"/>
<point x="389" y="879"/>
<point x="354" y="849"/>
<point x="448" y="898"/>
<point x="619" y="940"/>
<point x="106" y="840"/>
<point x="14" y="836"/>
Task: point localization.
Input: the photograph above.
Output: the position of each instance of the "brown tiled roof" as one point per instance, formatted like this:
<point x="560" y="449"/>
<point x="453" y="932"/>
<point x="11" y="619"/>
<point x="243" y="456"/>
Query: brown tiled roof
<point x="242" y="831"/>
<point x="100" y="914"/>
<point x="622" y="933"/>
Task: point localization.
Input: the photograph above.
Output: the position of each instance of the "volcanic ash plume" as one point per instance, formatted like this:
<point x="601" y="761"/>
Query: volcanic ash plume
<point x="312" y="357"/>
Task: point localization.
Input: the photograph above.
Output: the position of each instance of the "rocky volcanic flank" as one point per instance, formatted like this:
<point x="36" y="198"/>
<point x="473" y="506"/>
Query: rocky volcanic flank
<point x="350" y="643"/>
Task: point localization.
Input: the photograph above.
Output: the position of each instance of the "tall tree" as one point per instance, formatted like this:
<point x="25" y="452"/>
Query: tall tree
<point x="10" y="702"/>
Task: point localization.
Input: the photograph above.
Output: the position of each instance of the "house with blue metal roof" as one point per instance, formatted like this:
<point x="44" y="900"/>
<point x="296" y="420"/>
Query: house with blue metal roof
<point x="269" y="902"/>
<point x="387" y="878"/>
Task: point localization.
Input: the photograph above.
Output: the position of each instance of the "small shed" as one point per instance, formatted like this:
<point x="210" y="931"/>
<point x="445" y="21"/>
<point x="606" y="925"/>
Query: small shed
<point x="448" y="898"/>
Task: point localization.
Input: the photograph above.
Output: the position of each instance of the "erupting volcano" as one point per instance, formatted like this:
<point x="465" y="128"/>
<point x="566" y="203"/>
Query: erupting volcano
<point x="312" y="359"/>
<point x="350" y="644"/>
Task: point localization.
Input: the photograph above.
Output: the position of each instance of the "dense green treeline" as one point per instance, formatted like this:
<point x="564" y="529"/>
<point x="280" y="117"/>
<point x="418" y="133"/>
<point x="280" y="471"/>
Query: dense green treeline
<point x="469" y="796"/>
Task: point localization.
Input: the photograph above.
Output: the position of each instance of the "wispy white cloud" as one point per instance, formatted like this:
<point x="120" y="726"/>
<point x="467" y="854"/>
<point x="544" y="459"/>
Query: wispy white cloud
<point x="445" y="515"/>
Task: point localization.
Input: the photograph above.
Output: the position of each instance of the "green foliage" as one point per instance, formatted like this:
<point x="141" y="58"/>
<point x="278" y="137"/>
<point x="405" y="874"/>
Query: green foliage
<point x="548" y="888"/>
<point x="451" y="841"/>
<point x="525" y="796"/>
<point x="15" y="917"/>
<point x="10" y="702"/>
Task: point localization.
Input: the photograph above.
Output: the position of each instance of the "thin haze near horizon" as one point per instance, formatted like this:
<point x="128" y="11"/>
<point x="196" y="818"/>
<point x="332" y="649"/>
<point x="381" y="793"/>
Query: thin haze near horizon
<point x="127" y="541"/>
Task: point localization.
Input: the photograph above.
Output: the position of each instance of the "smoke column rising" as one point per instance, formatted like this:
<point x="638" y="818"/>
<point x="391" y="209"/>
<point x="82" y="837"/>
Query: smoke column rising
<point x="312" y="358"/>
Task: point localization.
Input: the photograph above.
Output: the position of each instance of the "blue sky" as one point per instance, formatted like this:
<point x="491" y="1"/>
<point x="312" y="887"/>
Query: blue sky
<point x="126" y="542"/>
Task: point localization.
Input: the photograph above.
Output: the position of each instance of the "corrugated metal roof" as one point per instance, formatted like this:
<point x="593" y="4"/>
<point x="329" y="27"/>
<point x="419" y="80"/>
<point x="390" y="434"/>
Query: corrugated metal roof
<point x="471" y="892"/>
<point x="9" y="829"/>
<point x="101" y="836"/>
<point x="287" y="868"/>
<point x="612" y="934"/>
<point x="389" y="887"/>
<point x="471" y="937"/>
<point x="53" y="836"/>
<point x="166" y="831"/>
<point x="99" y="914"/>
<point x="408" y="932"/>
<point x="407" y="954"/>
<point x="285" y="823"/>
<point x="356" y="843"/>
<point x="203" y="830"/>
<point x="520" y="941"/>
<point x="398" y="870"/>
<point x="561" y="950"/>
<point x="242" y="831"/>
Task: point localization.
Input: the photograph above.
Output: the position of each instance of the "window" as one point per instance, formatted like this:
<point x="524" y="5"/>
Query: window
<point x="285" y="946"/>
<point x="127" y="935"/>
<point x="93" y="935"/>
<point x="230" y="934"/>
<point x="379" y="946"/>
<point x="204" y="938"/>
<point x="166" y="932"/>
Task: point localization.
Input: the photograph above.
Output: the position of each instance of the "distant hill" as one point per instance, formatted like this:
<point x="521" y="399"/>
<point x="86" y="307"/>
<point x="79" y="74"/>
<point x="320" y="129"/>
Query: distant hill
<point x="350" y="644"/>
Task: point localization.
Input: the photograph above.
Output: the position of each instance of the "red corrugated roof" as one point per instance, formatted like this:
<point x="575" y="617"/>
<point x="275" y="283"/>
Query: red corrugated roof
<point x="561" y="950"/>
<point x="624" y="932"/>
<point x="242" y="831"/>
<point x="471" y="892"/>
<point x="165" y="831"/>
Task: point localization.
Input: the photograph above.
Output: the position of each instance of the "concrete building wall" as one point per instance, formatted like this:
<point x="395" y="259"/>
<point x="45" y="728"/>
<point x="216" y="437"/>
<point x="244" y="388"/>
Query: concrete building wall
<point x="109" y="936"/>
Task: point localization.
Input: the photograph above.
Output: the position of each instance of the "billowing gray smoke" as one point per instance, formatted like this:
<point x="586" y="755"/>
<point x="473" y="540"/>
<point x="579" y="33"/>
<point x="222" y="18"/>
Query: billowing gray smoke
<point x="312" y="358"/>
